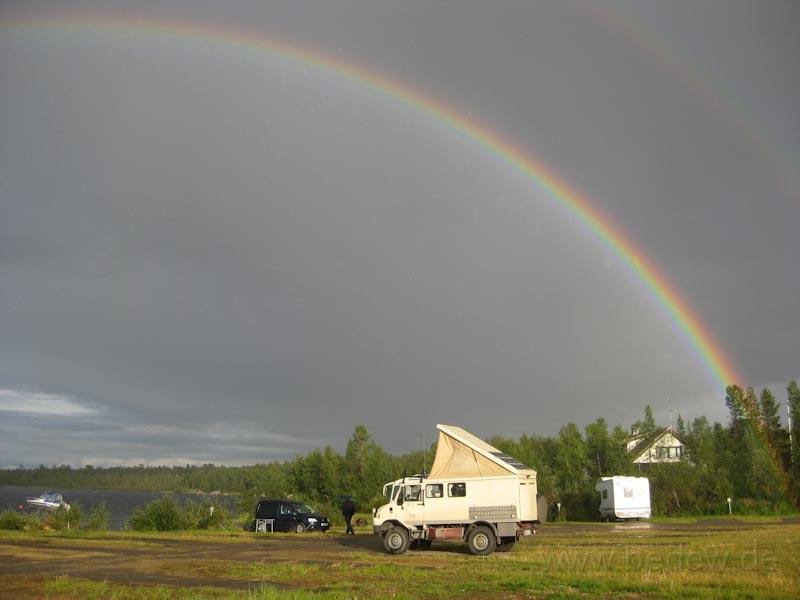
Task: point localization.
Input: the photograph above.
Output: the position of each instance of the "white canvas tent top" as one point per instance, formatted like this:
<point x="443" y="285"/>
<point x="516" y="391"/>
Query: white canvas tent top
<point x="461" y="454"/>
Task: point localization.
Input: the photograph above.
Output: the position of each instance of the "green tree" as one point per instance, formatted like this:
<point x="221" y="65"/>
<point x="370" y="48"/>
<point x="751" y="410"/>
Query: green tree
<point x="752" y="470"/>
<point x="317" y="475"/>
<point x="777" y="436"/>
<point x="572" y="482"/>
<point x="365" y="466"/>
<point x="606" y="454"/>
<point x="793" y="392"/>
<point x="681" y="427"/>
<point x="752" y="410"/>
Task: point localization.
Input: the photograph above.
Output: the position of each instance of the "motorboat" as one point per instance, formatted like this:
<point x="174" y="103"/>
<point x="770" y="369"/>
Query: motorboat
<point x="51" y="500"/>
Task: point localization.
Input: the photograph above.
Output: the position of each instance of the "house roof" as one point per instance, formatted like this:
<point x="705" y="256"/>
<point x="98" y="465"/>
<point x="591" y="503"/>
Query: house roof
<point x="650" y="439"/>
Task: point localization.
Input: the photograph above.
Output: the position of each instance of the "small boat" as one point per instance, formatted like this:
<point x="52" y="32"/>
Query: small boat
<point x="48" y="500"/>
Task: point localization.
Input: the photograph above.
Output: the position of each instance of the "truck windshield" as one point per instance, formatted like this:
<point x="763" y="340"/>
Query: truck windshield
<point x="395" y="489"/>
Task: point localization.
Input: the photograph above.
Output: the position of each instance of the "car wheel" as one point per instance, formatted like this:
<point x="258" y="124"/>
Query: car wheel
<point x="396" y="540"/>
<point x="507" y="544"/>
<point x="481" y="541"/>
<point x="299" y="528"/>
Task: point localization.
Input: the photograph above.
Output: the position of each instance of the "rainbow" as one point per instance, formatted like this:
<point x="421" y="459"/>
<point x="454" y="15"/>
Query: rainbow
<point x="689" y="326"/>
<point x="702" y="84"/>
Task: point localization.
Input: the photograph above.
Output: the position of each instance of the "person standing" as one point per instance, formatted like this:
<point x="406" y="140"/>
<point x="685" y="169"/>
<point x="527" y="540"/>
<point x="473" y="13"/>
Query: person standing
<point x="348" y="510"/>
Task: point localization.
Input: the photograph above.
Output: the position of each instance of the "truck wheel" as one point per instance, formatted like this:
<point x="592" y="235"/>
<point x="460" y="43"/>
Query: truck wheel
<point x="506" y="544"/>
<point x="299" y="528"/>
<point x="481" y="541"/>
<point x="396" y="540"/>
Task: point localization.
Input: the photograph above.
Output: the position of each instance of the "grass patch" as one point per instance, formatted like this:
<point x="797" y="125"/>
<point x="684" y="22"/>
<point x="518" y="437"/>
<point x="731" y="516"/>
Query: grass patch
<point x="659" y="562"/>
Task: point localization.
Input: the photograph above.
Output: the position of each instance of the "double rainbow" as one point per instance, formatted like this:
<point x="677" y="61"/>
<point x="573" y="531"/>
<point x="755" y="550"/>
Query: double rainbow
<point x="689" y="326"/>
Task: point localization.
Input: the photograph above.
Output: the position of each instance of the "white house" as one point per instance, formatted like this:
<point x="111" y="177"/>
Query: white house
<point x="661" y="446"/>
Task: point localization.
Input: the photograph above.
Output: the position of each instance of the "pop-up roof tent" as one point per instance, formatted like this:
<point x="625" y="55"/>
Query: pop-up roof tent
<point x="461" y="454"/>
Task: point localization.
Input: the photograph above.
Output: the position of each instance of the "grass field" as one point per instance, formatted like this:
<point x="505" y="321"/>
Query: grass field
<point x="757" y="558"/>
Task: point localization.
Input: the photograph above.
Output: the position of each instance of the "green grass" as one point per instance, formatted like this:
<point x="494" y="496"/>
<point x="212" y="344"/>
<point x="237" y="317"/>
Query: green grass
<point x="761" y="560"/>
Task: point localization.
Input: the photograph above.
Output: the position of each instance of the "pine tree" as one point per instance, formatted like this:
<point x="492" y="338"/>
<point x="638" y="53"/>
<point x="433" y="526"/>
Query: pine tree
<point x="681" y="427"/>
<point x="777" y="436"/>
<point x="752" y="410"/>
<point x="794" y="438"/>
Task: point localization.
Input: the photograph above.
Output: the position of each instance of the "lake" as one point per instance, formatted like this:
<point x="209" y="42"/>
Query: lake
<point x="120" y="502"/>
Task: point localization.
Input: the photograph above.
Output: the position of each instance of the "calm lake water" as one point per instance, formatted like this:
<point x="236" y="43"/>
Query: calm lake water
<point x="119" y="502"/>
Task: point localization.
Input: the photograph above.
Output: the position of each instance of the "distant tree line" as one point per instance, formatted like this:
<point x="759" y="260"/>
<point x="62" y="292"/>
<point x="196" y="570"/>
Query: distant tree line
<point x="754" y="459"/>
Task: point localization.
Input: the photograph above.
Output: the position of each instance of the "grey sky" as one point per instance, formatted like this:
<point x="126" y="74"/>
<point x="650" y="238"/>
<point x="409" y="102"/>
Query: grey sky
<point x="209" y="253"/>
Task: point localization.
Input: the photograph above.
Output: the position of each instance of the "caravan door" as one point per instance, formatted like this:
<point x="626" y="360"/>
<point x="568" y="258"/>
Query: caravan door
<point x="527" y="500"/>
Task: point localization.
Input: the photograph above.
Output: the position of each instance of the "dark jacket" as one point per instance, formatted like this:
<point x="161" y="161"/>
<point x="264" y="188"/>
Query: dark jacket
<point x="348" y="508"/>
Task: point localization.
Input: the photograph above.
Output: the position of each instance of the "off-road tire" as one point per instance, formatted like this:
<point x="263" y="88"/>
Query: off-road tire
<point x="481" y="541"/>
<point x="396" y="540"/>
<point x="299" y="528"/>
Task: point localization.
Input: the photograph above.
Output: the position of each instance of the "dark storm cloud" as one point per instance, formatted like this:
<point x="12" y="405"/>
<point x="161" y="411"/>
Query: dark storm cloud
<point x="232" y="257"/>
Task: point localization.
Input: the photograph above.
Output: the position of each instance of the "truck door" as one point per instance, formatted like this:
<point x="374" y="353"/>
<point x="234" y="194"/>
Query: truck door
<point x="413" y="508"/>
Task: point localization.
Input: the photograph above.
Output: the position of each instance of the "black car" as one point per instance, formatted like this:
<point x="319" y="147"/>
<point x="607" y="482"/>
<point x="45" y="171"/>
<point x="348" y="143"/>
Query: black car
<point x="288" y="515"/>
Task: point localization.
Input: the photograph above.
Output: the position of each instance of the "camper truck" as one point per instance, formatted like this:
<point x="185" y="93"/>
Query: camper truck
<point x="474" y="493"/>
<point x="624" y="497"/>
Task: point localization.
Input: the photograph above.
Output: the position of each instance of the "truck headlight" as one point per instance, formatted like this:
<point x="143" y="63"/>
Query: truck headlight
<point x="312" y="520"/>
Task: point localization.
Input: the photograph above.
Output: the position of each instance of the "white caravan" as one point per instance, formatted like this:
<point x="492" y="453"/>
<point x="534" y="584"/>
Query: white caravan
<point x="474" y="492"/>
<point x="624" y="497"/>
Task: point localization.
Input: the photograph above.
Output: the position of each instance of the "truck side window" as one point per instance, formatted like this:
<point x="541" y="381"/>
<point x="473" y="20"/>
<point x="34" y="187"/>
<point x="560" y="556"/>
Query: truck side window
<point x="434" y="490"/>
<point x="412" y="493"/>
<point x="456" y="490"/>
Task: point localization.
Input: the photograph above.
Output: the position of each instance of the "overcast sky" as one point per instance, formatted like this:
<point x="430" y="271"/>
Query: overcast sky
<point x="212" y="253"/>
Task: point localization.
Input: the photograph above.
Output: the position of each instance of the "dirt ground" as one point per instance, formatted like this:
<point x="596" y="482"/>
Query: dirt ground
<point x="116" y="561"/>
<point x="182" y="561"/>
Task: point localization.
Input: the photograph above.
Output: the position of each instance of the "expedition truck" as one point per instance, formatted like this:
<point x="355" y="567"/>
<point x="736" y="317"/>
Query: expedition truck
<point x="624" y="497"/>
<point x="474" y="493"/>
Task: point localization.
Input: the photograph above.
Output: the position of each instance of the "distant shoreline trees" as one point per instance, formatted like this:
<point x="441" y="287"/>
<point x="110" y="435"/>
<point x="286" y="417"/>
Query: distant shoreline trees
<point x="754" y="459"/>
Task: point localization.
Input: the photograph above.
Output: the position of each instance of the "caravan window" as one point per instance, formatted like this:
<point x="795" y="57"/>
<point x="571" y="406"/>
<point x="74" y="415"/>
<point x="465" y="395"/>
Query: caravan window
<point x="456" y="490"/>
<point x="605" y="494"/>
<point x="434" y="490"/>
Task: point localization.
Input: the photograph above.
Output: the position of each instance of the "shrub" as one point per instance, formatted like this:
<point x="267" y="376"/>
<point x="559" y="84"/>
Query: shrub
<point x="165" y="514"/>
<point x="161" y="514"/>
<point x="203" y="515"/>
<point x="66" y="518"/>
<point x="99" y="517"/>
<point x="13" y="520"/>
